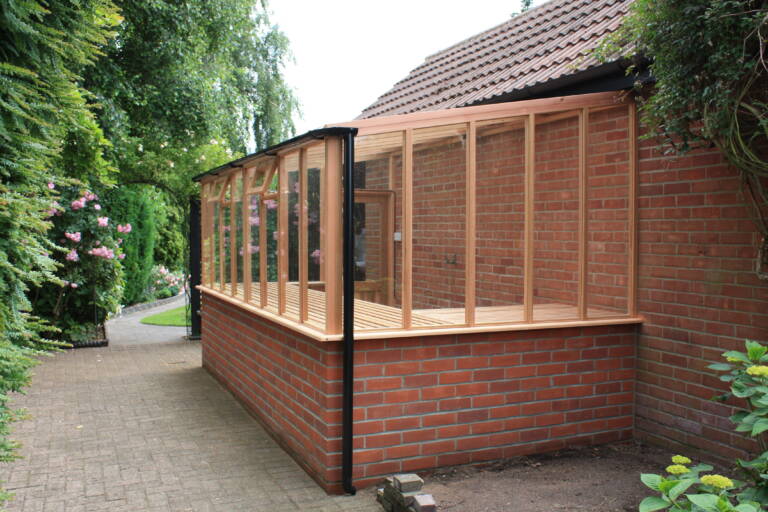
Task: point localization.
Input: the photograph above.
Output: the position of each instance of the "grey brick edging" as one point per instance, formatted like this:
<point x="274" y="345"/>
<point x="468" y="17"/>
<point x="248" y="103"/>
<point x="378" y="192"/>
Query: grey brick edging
<point x="146" y="305"/>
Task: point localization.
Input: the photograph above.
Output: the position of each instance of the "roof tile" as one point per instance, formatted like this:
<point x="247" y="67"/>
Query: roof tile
<point x="547" y="42"/>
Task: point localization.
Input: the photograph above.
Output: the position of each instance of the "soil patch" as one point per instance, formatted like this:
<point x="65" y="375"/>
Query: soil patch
<point x="597" y="479"/>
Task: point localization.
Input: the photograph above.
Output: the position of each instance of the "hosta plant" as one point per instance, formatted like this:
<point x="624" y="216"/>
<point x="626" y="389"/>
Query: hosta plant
<point x="684" y="488"/>
<point x="747" y="374"/>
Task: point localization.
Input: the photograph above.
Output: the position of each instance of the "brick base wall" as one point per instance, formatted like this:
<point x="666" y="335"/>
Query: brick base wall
<point x="425" y="402"/>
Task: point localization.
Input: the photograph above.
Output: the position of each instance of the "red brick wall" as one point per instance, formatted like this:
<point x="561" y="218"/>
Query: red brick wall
<point x="698" y="293"/>
<point x="425" y="402"/>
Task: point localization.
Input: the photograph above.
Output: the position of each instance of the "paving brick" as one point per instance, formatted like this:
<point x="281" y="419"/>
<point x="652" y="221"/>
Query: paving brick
<point x="144" y="427"/>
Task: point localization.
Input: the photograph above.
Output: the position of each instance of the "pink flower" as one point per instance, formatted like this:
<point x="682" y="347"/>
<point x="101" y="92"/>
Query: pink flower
<point x="315" y="255"/>
<point x="102" y="252"/>
<point x="119" y="241"/>
<point x="254" y="221"/>
<point x="296" y="187"/>
<point x="72" y="256"/>
<point x="97" y="207"/>
<point x="121" y="256"/>
<point x="78" y="203"/>
<point x="73" y="285"/>
<point x="91" y="196"/>
<point x="75" y="237"/>
<point x="103" y="221"/>
<point x="51" y="185"/>
<point x="124" y="229"/>
<point x="271" y="204"/>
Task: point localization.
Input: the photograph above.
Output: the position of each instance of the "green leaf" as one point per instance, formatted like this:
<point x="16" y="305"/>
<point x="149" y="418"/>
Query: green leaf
<point x="745" y="507"/>
<point x="650" y="480"/>
<point x="760" y="426"/>
<point x="720" y="367"/>
<point x="755" y="350"/>
<point x="652" y="503"/>
<point x="706" y="501"/>
<point x="734" y="354"/>
<point x="681" y="487"/>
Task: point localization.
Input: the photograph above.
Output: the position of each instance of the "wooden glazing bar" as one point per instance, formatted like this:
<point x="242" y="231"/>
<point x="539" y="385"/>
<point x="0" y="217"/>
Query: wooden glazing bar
<point x="263" y="276"/>
<point x="633" y="133"/>
<point x="582" y="283"/>
<point x="233" y="214"/>
<point x="333" y="235"/>
<point x="530" y="155"/>
<point x="282" y="237"/>
<point x="407" y="237"/>
<point x="246" y="238"/>
<point x="303" y="238"/>
<point x="470" y="225"/>
<point x="483" y="112"/>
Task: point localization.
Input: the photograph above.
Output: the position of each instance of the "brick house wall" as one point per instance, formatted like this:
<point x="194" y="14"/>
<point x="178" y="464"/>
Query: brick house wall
<point x="425" y="402"/>
<point x="699" y="295"/>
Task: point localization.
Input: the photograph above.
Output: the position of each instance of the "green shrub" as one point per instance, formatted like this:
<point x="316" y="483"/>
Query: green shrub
<point x="748" y="378"/>
<point x="90" y="277"/>
<point x="136" y="206"/>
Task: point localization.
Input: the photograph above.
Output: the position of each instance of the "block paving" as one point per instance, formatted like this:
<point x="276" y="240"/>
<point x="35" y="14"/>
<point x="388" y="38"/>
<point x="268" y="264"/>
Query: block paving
<point x="144" y="428"/>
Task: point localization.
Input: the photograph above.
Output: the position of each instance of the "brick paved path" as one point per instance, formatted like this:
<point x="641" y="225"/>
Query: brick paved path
<point x="144" y="427"/>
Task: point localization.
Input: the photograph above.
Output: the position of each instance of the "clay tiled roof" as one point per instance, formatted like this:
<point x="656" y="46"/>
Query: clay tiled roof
<point x="547" y="43"/>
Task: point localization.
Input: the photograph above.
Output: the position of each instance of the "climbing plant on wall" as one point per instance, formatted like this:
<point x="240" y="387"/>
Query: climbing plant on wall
<point x="710" y="71"/>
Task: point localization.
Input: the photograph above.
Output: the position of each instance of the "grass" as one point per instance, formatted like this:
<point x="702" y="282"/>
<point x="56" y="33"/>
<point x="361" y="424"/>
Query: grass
<point x="177" y="317"/>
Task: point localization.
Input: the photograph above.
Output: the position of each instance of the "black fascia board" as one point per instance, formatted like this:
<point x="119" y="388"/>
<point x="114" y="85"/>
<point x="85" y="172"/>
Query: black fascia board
<point x="320" y="133"/>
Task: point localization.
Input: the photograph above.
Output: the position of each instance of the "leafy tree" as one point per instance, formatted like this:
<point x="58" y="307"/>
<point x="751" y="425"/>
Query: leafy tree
<point x="708" y="60"/>
<point x="183" y="73"/>
<point x="45" y="126"/>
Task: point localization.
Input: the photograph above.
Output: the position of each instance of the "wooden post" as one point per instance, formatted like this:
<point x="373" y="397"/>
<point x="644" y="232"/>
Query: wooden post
<point x="282" y="237"/>
<point x="246" y="225"/>
<point x="581" y="303"/>
<point x="470" y="225"/>
<point x="530" y="155"/>
<point x="632" y="235"/>
<point x="332" y="259"/>
<point x="303" y="239"/>
<point x="407" y="236"/>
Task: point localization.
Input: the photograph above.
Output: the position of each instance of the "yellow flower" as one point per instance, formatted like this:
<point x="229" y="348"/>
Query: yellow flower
<point x="719" y="481"/>
<point x="758" y="371"/>
<point x="677" y="469"/>
<point x="680" y="459"/>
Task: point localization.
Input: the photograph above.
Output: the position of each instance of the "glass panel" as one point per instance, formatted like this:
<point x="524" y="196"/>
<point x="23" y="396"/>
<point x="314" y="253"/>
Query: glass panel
<point x="556" y="219"/>
<point x="378" y="179"/>
<point x="292" y="286"/>
<point x="215" y="239"/>
<point x="316" y="292"/>
<point x="226" y="234"/>
<point x="271" y="243"/>
<point x="607" y="213"/>
<point x="439" y="208"/>
<point x="237" y="237"/>
<point x="500" y="221"/>
<point x="254" y="221"/>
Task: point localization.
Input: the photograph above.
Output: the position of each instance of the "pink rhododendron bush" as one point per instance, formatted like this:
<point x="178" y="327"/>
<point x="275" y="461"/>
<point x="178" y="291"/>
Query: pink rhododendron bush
<point x="86" y="244"/>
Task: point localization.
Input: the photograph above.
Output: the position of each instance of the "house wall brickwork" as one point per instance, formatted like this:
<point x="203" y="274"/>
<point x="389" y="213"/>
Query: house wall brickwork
<point x="425" y="402"/>
<point x="699" y="295"/>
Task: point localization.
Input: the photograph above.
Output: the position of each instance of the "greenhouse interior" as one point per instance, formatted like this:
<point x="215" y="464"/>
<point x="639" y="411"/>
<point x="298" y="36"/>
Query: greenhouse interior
<point x="507" y="216"/>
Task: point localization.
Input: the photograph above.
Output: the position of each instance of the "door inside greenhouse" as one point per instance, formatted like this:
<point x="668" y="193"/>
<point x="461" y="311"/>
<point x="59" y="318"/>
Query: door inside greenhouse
<point x="374" y="245"/>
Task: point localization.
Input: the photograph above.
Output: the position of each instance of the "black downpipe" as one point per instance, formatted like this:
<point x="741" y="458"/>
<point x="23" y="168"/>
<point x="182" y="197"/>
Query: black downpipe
<point x="349" y="314"/>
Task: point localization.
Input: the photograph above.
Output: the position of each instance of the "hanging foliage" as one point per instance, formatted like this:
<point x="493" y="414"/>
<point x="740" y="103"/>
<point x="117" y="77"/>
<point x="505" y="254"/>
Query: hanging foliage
<point x="709" y="63"/>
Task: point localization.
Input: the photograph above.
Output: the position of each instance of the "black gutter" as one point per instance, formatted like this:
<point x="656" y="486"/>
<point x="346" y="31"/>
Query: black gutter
<point x="348" y="357"/>
<point x="336" y="131"/>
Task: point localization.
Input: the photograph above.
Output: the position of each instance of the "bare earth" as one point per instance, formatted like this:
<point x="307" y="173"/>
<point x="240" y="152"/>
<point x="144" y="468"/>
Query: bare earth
<point x="602" y="479"/>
